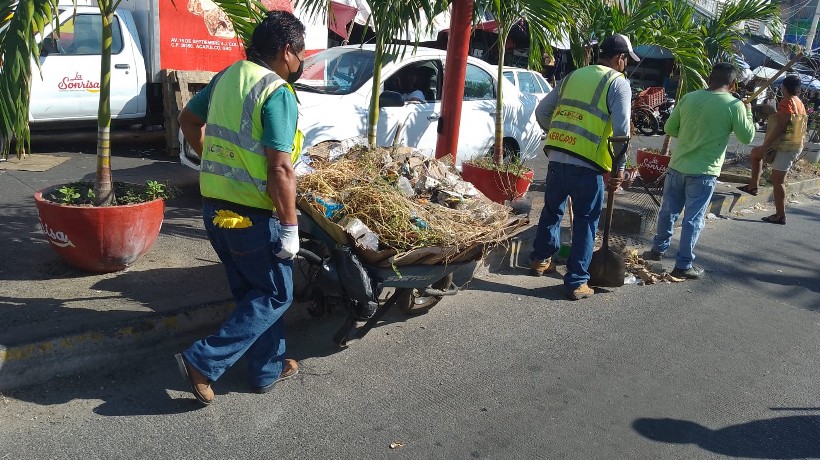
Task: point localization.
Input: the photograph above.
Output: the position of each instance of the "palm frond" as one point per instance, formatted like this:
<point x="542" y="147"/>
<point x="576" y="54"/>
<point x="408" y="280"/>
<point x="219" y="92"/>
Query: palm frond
<point x="18" y="48"/>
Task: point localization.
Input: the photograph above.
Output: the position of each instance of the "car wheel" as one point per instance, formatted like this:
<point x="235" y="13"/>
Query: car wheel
<point x="512" y="153"/>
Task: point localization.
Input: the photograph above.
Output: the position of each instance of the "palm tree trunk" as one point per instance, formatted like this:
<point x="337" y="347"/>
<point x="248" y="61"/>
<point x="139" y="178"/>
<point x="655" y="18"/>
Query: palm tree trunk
<point x="103" y="189"/>
<point x="373" y="113"/>
<point x="665" y="148"/>
<point x="498" y="147"/>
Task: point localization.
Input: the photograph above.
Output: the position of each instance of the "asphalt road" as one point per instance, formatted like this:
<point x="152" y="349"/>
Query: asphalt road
<point x="725" y="366"/>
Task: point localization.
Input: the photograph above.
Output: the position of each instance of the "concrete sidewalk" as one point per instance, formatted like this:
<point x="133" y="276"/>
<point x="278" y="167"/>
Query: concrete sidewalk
<point x="57" y="320"/>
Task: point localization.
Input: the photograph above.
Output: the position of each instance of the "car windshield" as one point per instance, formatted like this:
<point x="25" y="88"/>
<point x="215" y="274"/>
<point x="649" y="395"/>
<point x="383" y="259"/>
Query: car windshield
<point x="337" y="71"/>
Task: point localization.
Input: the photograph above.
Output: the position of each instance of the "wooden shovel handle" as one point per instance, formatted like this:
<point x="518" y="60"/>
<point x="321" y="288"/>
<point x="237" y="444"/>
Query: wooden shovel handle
<point x="610" y="205"/>
<point x="774" y="77"/>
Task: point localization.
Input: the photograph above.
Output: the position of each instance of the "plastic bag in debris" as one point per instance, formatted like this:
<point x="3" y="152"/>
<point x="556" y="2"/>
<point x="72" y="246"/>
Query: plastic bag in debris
<point x="354" y="280"/>
<point x="340" y="149"/>
<point x="363" y="236"/>
<point x="631" y="279"/>
<point x="302" y="166"/>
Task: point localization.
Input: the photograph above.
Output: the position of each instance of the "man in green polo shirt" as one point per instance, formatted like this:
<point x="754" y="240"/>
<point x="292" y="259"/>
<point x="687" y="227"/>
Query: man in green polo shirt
<point x="243" y="124"/>
<point x="702" y="122"/>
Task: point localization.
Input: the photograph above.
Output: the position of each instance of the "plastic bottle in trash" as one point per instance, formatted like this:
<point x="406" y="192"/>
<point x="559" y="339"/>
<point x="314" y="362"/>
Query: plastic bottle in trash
<point x="405" y="187"/>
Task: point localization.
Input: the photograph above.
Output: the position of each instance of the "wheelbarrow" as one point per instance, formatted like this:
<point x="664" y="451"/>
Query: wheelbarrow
<point x="335" y="271"/>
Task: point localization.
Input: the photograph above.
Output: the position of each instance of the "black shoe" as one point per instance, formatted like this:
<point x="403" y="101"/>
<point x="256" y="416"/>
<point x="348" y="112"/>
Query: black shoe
<point x="691" y="273"/>
<point x="652" y="255"/>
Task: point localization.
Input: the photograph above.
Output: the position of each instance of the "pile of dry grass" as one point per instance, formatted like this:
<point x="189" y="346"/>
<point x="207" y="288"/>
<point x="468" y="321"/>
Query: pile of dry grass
<point x="364" y="183"/>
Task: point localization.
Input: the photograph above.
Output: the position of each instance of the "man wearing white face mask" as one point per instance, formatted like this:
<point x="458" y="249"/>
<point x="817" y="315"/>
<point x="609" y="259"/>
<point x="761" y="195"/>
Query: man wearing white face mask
<point x="243" y="125"/>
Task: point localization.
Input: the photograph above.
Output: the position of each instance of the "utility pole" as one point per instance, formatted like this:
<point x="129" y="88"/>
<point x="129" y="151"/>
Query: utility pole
<point x="812" y="30"/>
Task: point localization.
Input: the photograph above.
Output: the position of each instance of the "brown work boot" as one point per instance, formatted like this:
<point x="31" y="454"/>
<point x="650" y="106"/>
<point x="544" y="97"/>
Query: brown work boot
<point x="539" y="267"/>
<point x="200" y="385"/>
<point x="581" y="292"/>
<point x="289" y="370"/>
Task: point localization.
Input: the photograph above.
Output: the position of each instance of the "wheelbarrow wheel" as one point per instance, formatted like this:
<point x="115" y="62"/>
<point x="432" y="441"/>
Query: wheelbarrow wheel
<point x="414" y="303"/>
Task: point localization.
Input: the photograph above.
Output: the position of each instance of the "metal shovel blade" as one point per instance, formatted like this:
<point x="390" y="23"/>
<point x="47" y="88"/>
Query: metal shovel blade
<point x="607" y="268"/>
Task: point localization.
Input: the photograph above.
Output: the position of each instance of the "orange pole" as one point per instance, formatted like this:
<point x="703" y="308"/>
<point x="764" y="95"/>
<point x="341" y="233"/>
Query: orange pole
<point x="458" y="47"/>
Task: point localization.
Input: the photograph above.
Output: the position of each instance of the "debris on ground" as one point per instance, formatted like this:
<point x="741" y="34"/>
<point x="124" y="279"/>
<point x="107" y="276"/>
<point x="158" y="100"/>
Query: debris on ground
<point x="711" y="215"/>
<point x="646" y="271"/>
<point x="396" y="445"/>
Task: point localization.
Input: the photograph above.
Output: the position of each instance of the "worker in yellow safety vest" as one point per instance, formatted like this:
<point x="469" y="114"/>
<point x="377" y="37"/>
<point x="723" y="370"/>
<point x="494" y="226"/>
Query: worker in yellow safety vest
<point x="243" y="124"/>
<point x="592" y="104"/>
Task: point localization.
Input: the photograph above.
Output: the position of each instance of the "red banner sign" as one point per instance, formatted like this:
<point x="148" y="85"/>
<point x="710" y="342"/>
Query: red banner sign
<point x="199" y="36"/>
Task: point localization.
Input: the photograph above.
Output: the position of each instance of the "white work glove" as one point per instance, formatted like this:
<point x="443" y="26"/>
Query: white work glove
<point x="289" y="238"/>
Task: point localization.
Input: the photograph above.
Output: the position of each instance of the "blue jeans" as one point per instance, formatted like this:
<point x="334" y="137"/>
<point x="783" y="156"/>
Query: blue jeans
<point x="692" y="193"/>
<point x="586" y="188"/>
<point x="262" y="286"/>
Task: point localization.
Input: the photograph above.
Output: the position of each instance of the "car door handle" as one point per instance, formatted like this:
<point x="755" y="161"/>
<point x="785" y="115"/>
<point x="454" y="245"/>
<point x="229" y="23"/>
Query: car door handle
<point x="433" y="117"/>
<point x="122" y="66"/>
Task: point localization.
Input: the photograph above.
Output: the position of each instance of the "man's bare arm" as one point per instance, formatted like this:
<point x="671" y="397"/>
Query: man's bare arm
<point x="193" y="128"/>
<point x="282" y="185"/>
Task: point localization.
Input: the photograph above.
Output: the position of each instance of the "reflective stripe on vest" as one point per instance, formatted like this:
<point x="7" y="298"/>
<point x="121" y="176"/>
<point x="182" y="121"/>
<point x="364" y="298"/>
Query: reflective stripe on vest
<point x="234" y="163"/>
<point x="581" y="122"/>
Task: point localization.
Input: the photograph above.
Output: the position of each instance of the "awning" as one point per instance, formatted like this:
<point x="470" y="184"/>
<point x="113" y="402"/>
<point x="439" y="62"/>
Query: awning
<point x="278" y="5"/>
<point x="653" y="52"/>
<point x="771" y="54"/>
<point x="340" y="16"/>
<point x="764" y="72"/>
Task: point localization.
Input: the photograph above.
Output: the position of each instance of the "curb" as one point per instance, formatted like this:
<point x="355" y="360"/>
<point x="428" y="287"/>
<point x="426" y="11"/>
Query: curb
<point x="31" y="363"/>
<point x="27" y="364"/>
<point x="725" y="203"/>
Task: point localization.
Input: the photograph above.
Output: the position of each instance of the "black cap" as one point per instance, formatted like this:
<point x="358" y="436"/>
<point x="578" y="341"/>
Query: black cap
<point x="619" y="44"/>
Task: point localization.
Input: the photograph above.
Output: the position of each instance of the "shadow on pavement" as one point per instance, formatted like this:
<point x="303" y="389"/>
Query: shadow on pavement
<point x="555" y="292"/>
<point x="781" y="437"/>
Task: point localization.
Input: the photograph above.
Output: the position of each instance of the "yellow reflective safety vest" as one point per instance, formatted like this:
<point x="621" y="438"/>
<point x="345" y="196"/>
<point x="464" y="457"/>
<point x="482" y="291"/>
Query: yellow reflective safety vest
<point x="234" y="166"/>
<point x="581" y="124"/>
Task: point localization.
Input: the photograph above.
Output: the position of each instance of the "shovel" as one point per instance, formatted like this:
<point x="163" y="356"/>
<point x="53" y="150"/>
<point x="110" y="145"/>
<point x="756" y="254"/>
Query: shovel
<point x="607" y="268"/>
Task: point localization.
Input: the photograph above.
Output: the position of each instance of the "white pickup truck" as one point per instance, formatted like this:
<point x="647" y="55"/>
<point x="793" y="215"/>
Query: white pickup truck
<point x="148" y="36"/>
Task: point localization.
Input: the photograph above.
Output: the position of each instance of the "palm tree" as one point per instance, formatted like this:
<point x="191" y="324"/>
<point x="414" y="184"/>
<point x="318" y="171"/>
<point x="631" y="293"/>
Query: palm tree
<point x="670" y="24"/>
<point x="18" y="47"/>
<point x="722" y="32"/>
<point x="19" y="23"/>
<point x="544" y="19"/>
<point x="390" y="19"/>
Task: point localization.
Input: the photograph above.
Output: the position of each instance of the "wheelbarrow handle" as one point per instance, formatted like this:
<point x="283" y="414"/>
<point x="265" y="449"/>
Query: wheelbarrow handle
<point x="452" y="289"/>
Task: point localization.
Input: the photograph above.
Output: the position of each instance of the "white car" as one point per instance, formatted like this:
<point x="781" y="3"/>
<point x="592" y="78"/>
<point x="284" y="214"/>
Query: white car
<point x="528" y="81"/>
<point x="336" y="85"/>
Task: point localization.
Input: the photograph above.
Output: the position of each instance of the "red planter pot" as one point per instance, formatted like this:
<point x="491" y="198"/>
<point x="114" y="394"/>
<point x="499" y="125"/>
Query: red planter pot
<point x="651" y="166"/>
<point x="496" y="185"/>
<point x="100" y="239"/>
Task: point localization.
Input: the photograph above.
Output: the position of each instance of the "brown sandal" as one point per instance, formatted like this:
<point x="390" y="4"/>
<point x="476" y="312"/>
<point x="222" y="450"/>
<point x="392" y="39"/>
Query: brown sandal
<point x="775" y="219"/>
<point x="747" y="189"/>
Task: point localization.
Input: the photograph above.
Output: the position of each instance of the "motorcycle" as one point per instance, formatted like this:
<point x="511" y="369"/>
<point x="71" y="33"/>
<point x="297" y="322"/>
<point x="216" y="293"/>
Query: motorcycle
<point x="645" y="119"/>
<point x="664" y="110"/>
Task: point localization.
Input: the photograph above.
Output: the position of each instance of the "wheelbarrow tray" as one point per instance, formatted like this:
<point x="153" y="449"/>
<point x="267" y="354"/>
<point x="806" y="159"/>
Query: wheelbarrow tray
<point x="316" y="224"/>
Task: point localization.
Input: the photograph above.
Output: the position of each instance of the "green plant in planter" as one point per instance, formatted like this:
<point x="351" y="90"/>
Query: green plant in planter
<point x="99" y="237"/>
<point x="82" y="193"/>
<point x="509" y="165"/>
